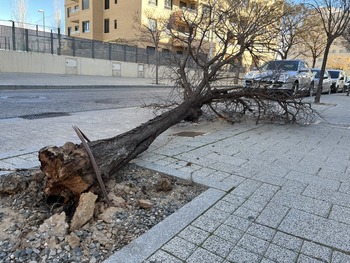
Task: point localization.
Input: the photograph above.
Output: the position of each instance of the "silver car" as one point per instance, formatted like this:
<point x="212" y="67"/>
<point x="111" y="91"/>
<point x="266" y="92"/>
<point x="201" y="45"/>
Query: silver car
<point x="327" y="81"/>
<point x="292" y="76"/>
<point x="337" y="80"/>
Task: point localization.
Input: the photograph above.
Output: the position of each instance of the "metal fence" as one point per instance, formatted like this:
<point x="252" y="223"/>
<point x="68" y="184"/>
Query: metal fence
<point x="28" y="38"/>
<point x="17" y="38"/>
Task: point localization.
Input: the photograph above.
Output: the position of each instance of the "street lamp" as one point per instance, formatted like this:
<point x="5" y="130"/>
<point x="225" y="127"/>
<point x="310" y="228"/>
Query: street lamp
<point x="42" y="11"/>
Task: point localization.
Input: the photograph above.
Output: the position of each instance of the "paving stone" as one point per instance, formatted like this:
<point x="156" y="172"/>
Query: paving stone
<point x="208" y="224"/>
<point x="293" y="187"/>
<point x="280" y="254"/>
<point x="194" y="235"/>
<point x="267" y="190"/>
<point x="229" y="233"/>
<point x="235" y="200"/>
<point x="266" y="260"/>
<point x="272" y="215"/>
<point x="241" y="255"/>
<point x="328" y="195"/>
<point x="179" y="248"/>
<point x="305" y="259"/>
<point x="243" y="212"/>
<point x="253" y="244"/>
<point x="218" y="246"/>
<point x="340" y="214"/>
<point x="316" y="251"/>
<point x="225" y="206"/>
<point x="288" y="241"/>
<point x="261" y="232"/>
<point x="345" y="187"/>
<point x="238" y="222"/>
<point x="317" y="229"/>
<point x="201" y="255"/>
<point x="247" y="188"/>
<point x="216" y="214"/>
<point x="304" y="203"/>
<point x="313" y="180"/>
<point x="255" y="206"/>
<point x="162" y="256"/>
<point x="339" y="257"/>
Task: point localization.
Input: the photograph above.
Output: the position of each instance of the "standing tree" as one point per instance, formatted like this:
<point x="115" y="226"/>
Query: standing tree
<point x="236" y="29"/>
<point x="290" y="28"/>
<point x="151" y="31"/>
<point x="334" y="16"/>
<point x="57" y="13"/>
<point x="19" y="11"/>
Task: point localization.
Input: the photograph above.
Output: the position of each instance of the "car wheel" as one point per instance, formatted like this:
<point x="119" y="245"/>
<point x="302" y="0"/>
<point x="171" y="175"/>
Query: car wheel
<point x="333" y="89"/>
<point x="295" y="88"/>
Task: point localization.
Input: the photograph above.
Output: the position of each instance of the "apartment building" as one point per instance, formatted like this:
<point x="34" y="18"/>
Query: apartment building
<point x="115" y="20"/>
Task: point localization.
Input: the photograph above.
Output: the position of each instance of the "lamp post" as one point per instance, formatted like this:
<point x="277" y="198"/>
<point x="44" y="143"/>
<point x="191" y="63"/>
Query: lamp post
<point x="42" y="11"/>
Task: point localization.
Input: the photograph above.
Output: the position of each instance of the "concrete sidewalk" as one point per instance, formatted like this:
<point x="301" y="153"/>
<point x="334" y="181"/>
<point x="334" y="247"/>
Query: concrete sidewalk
<point x="34" y="80"/>
<point x="277" y="193"/>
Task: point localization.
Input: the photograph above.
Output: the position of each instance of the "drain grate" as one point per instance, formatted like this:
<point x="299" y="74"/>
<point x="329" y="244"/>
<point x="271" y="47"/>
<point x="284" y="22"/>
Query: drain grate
<point x="44" y="115"/>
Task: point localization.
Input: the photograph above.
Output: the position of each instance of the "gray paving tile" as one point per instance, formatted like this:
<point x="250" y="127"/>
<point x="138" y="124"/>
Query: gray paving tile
<point x="161" y="256"/>
<point x="339" y="257"/>
<point x="194" y="235"/>
<point x="317" y="229"/>
<point x="340" y="214"/>
<point x="246" y="188"/>
<point x="238" y="222"/>
<point x="201" y="255"/>
<point x="267" y="190"/>
<point x="179" y="248"/>
<point x="304" y="203"/>
<point x="235" y="200"/>
<point x="261" y="232"/>
<point x="270" y="179"/>
<point x="255" y="206"/>
<point x="218" y="246"/>
<point x="241" y="255"/>
<point x="205" y="223"/>
<point x="334" y="197"/>
<point x="305" y="259"/>
<point x="272" y="215"/>
<point x="216" y="214"/>
<point x="225" y="206"/>
<point x="243" y="212"/>
<point x="229" y="233"/>
<point x="253" y="244"/>
<point x="316" y="251"/>
<point x="313" y="180"/>
<point x="293" y="187"/>
<point x="288" y="241"/>
<point x="280" y="254"/>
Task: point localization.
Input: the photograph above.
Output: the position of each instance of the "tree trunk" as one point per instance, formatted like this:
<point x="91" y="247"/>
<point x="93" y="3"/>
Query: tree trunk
<point x="323" y="68"/>
<point x="68" y="168"/>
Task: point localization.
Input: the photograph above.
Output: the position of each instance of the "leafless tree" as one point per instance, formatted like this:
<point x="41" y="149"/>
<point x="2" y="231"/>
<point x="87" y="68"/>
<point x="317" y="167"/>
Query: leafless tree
<point x="151" y="32"/>
<point x="334" y="16"/>
<point x="19" y="11"/>
<point x="230" y="31"/>
<point x="290" y="28"/>
<point x="58" y="13"/>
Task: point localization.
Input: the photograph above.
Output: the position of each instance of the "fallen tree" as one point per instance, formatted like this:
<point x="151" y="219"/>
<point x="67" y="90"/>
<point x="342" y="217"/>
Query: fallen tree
<point x="199" y="79"/>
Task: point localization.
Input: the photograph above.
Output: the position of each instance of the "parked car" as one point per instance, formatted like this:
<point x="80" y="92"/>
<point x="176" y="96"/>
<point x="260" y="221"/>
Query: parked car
<point x="338" y="77"/>
<point x="292" y="76"/>
<point x="347" y="84"/>
<point x="327" y="80"/>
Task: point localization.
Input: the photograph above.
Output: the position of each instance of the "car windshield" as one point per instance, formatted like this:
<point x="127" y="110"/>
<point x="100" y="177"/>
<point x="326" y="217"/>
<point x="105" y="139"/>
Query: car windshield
<point x="317" y="73"/>
<point x="281" y="65"/>
<point x="334" y="74"/>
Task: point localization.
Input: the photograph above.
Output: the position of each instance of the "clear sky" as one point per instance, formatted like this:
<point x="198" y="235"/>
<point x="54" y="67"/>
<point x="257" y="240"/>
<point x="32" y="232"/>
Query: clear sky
<point x="33" y="16"/>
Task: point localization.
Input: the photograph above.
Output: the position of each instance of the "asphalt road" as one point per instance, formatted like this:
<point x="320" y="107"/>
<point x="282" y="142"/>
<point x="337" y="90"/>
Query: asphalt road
<point x="16" y="103"/>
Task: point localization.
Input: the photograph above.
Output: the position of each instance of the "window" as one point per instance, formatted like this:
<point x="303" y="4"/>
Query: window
<point x="106" y="28"/>
<point x="115" y="24"/>
<point x="116" y="1"/>
<point x="168" y="4"/>
<point x="86" y="26"/>
<point x="106" y="4"/>
<point x="153" y="2"/>
<point x="85" y="4"/>
<point x="69" y="10"/>
<point x="69" y="29"/>
<point x="152" y="24"/>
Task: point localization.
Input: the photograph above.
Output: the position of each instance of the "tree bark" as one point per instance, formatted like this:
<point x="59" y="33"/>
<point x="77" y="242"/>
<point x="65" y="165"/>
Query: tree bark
<point x="68" y="168"/>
